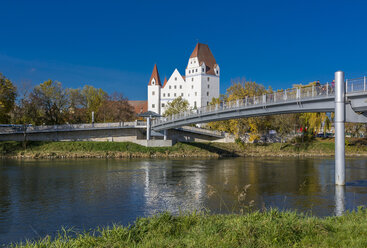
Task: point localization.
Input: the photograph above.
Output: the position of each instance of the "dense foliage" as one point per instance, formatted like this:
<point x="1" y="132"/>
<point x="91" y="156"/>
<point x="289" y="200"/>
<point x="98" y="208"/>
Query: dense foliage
<point x="8" y="94"/>
<point x="176" y="106"/>
<point x="49" y="103"/>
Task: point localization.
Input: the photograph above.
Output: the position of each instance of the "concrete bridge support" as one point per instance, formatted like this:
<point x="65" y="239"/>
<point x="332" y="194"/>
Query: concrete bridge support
<point x="149" y="128"/>
<point x="339" y="121"/>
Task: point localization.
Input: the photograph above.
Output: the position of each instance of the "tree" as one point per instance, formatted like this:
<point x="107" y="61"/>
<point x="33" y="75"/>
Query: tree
<point x="285" y="124"/>
<point x="92" y="100"/>
<point x="115" y="109"/>
<point x="85" y="101"/>
<point x="51" y="102"/>
<point x="8" y="93"/>
<point x="314" y="121"/>
<point x="77" y="111"/>
<point x="253" y="125"/>
<point x="355" y="129"/>
<point x="176" y="106"/>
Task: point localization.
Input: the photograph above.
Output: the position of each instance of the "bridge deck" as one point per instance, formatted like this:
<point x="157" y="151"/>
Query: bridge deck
<point x="296" y="100"/>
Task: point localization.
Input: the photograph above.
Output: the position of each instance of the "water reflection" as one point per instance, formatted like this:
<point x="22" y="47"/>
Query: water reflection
<point x="339" y="200"/>
<point x="38" y="197"/>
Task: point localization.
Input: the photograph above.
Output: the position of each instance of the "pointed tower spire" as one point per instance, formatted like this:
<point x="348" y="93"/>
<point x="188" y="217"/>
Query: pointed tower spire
<point x="165" y="82"/>
<point x="155" y="76"/>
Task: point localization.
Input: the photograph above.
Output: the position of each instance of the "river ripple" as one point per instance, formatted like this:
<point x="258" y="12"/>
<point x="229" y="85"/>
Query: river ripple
<point x="38" y="197"/>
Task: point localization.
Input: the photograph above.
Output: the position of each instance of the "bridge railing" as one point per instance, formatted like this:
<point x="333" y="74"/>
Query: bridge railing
<point x="294" y="94"/>
<point x="281" y="96"/>
<point x="355" y="85"/>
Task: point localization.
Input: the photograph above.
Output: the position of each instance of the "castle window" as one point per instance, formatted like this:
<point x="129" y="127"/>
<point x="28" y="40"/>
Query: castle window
<point x="162" y="105"/>
<point x="180" y="86"/>
<point x="188" y="95"/>
<point x="189" y="71"/>
<point x="153" y="105"/>
<point x="207" y="103"/>
<point x="208" y="79"/>
<point x="208" y="86"/>
<point x="164" y="94"/>
<point x="153" y="93"/>
<point x="207" y="93"/>
<point x="192" y="79"/>
<point x="202" y="69"/>
<point x="175" y="95"/>
<point x="175" y="79"/>
<point x="196" y="93"/>
<point x="170" y="87"/>
<point x="195" y="104"/>
<point x="192" y="86"/>
<point x="168" y="94"/>
<point x="196" y="70"/>
<point x="175" y="87"/>
<point x="181" y="94"/>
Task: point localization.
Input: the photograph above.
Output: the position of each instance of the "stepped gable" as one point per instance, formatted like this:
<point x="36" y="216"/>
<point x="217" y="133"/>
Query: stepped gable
<point x="204" y="55"/>
<point x="155" y="75"/>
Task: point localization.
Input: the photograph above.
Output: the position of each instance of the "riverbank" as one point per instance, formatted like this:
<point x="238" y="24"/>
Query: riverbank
<point x="89" y="149"/>
<point x="271" y="228"/>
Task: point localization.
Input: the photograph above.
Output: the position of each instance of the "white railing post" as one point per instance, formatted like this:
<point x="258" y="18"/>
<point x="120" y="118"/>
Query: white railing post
<point x="264" y="98"/>
<point x="275" y="96"/>
<point x="313" y="90"/>
<point x="327" y="89"/>
<point x="285" y="95"/>
<point x="238" y="103"/>
<point x="298" y="93"/>
<point x="246" y="101"/>
<point x="364" y="83"/>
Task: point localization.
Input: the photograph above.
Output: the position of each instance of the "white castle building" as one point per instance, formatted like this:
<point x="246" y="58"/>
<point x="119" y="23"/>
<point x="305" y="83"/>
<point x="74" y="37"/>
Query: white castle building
<point x="199" y="85"/>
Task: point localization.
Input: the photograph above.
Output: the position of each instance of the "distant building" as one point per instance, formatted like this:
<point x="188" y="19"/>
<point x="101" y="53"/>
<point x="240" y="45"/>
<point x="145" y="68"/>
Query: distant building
<point x="199" y="85"/>
<point x="139" y="106"/>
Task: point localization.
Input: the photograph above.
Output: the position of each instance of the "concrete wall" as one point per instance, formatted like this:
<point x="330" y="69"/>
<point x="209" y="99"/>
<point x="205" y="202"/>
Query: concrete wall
<point x="118" y="135"/>
<point x="135" y="135"/>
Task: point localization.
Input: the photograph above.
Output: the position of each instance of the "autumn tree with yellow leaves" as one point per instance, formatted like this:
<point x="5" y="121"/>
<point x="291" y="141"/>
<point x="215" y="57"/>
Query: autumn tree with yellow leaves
<point x="8" y="93"/>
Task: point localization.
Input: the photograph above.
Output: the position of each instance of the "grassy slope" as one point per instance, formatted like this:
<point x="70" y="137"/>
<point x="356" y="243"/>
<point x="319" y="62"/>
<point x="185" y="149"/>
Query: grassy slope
<point x="125" y="149"/>
<point x="268" y="229"/>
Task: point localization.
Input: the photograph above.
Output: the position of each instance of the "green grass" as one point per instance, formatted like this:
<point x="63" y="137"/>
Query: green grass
<point x="271" y="228"/>
<point x="80" y="149"/>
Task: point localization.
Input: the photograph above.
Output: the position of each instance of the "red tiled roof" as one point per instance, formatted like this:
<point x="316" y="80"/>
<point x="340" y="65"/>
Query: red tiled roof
<point x="155" y="75"/>
<point x="165" y="82"/>
<point x="203" y="53"/>
<point x="139" y="106"/>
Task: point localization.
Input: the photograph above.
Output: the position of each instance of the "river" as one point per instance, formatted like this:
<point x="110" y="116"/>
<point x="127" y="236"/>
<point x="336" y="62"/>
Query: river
<point x="38" y="197"/>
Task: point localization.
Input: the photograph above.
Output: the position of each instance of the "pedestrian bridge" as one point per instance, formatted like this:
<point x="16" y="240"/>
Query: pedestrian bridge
<point x="347" y="98"/>
<point x="301" y="99"/>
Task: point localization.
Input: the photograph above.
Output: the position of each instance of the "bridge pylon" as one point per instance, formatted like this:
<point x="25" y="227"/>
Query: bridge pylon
<point x="339" y="120"/>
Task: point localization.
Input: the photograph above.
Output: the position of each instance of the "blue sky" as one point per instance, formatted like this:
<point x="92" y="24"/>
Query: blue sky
<point x="114" y="44"/>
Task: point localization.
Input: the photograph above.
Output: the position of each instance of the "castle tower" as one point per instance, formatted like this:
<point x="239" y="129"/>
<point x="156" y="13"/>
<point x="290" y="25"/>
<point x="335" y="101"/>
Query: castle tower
<point x="202" y="77"/>
<point x="154" y="91"/>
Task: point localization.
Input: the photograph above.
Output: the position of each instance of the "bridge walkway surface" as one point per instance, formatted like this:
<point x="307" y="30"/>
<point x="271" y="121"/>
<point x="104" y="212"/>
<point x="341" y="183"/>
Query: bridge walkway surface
<point x="315" y="98"/>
